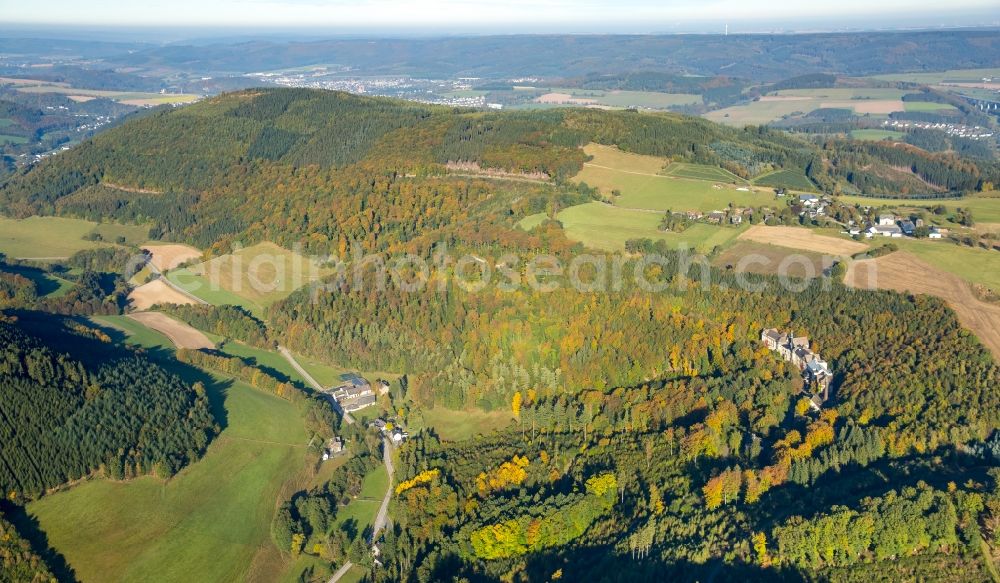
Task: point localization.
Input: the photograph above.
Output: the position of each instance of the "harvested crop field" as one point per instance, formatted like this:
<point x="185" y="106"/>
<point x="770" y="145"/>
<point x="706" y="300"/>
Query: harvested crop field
<point x="182" y="335"/>
<point x="168" y="256"/>
<point x="902" y="271"/>
<point x="801" y="238"/>
<point x="752" y="257"/>
<point x="156" y="292"/>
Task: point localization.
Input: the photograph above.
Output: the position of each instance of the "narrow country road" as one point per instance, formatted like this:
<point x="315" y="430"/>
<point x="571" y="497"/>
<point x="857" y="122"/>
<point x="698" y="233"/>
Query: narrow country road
<point x="382" y="517"/>
<point x="315" y="384"/>
<point x="383" y="510"/>
<point x="174" y="286"/>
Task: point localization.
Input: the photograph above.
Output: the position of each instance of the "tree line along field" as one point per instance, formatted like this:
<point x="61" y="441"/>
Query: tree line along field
<point x="60" y="237"/>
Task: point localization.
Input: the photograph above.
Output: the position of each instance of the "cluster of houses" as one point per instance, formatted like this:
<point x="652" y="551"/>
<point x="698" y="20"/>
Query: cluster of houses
<point x="356" y="393"/>
<point x="391" y="430"/>
<point x="952" y="129"/>
<point x="889" y="225"/>
<point x="813" y="206"/>
<point x="795" y="349"/>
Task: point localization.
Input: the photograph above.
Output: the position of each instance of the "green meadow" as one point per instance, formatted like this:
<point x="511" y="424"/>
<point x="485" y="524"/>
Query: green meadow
<point x="642" y="186"/>
<point x="205" y="524"/>
<point x="452" y="425"/>
<point x="876" y="135"/>
<point x="606" y="227"/>
<point x="926" y="106"/>
<point x="59" y="237"/>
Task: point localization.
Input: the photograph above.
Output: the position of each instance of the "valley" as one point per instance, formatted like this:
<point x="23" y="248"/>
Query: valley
<point x="297" y="252"/>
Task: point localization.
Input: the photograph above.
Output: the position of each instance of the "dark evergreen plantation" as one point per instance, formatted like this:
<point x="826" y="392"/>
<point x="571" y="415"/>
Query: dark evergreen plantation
<point x="73" y="405"/>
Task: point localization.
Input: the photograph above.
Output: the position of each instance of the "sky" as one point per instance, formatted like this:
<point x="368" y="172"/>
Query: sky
<point x="505" y="15"/>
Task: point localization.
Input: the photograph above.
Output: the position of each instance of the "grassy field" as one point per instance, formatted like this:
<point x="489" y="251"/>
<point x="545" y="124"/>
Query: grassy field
<point x="58" y="237"/>
<point x="641" y="186"/>
<point x="985" y="207"/>
<point x="800" y="101"/>
<point x="264" y="358"/>
<point x="458" y="425"/>
<point x="612" y="157"/>
<point x="926" y="106"/>
<point x="261" y="274"/>
<point x="876" y="135"/>
<point x="606" y="227"/>
<point x="205" y="524"/>
<point x="531" y="221"/>
<point x="48" y="285"/>
<point x="9" y="139"/>
<point x="200" y="287"/>
<point x="975" y="265"/>
<point x="361" y="511"/>
<point x="702" y="172"/>
<point x="790" y="179"/>
<point x="135" y="333"/>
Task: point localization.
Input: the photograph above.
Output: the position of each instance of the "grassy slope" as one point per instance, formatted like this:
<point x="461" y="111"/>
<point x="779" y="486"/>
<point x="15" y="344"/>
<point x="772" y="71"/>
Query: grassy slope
<point x="458" y="425"/>
<point x="974" y="265"/>
<point x="201" y="287"/>
<point x="641" y="184"/>
<point x="606" y="227"/>
<point x="206" y="523"/>
<point x="60" y="237"/>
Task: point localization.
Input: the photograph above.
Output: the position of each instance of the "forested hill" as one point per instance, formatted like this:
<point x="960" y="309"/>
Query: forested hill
<point x="72" y="403"/>
<point x="283" y="164"/>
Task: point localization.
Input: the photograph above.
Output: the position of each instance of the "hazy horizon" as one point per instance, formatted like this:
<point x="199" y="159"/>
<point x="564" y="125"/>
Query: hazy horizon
<point x="192" y="19"/>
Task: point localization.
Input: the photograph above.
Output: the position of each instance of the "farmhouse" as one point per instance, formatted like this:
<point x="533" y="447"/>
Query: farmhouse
<point x="354" y="394"/>
<point x="885" y="231"/>
<point x="795" y="349"/>
<point x="935" y="233"/>
<point x="887" y="220"/>
<point x="907" y="227"/>
<point x="333" y="447"/>
<point x="809" y="199"/>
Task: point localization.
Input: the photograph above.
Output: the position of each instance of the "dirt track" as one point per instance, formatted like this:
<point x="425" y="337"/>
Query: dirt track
<point x="801" y="238"/>
<point x="156" y="292"/>
<point x="902" y="271"/>
<point x="182" y="335"/>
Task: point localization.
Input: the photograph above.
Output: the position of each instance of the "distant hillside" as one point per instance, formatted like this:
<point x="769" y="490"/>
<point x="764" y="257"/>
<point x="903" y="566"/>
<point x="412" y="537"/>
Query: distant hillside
<point x="760" y="57"/>
<point x="279" y="164"/>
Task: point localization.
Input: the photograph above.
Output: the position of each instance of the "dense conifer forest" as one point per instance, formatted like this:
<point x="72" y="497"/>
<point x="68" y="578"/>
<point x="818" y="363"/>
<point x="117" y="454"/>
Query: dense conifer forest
<point x="73" y="405"/>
